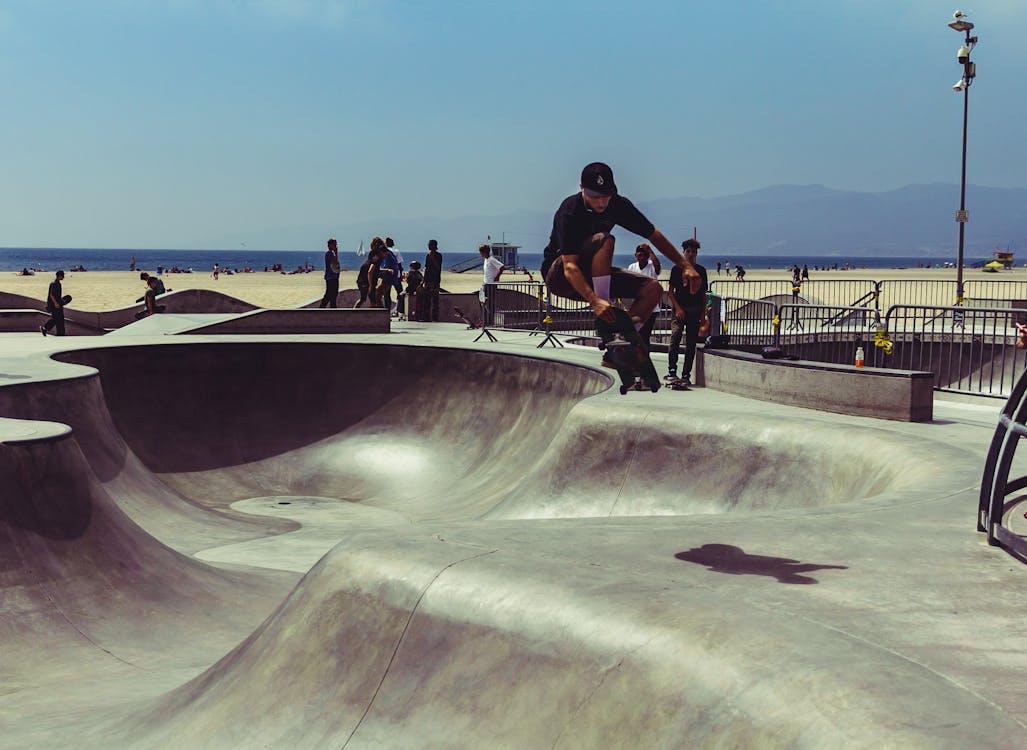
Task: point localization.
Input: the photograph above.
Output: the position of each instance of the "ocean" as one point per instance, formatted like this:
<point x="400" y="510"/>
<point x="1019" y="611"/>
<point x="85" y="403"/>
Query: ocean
<point x="99" y="259"/>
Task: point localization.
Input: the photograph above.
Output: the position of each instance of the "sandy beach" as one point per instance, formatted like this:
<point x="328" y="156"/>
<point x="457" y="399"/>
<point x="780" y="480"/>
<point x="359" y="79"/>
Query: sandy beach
<point x="110" y="290"/>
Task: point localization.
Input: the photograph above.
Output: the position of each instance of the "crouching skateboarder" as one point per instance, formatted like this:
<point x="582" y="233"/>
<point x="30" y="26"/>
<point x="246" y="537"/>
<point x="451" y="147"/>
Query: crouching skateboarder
<point x="578" y="262"/>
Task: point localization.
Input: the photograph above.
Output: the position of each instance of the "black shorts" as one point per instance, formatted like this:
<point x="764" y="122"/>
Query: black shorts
<point x="627" y="284"/>
<point x="623" y="283"/>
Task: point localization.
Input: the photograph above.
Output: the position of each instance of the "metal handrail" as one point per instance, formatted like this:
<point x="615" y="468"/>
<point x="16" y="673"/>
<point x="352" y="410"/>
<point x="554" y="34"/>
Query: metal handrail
<point x="993" y="508"/>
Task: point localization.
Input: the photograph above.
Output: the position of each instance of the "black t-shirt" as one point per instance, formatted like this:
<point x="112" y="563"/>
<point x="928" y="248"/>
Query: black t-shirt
<point x="433" y="270"/>
<point x="575" y="222"/>
<point x="362" y="281"/>
<point x="54" y="293"/>
<point x="687" y="300"/>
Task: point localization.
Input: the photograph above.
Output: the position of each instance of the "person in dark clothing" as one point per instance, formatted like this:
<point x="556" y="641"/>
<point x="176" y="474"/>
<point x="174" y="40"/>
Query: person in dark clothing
<point x="414" y="298"/>
<point x="388" y="271"/>
<point x="432" y="283"/>
<point x="145" y="278"/>
<point x="689" y="309"/>
<point x="152" y="308"/>
<point x="55" y="306"/>
<point x="578" y="259"/>
<point x="364" y="280"/>
<point x="331" y="296"/>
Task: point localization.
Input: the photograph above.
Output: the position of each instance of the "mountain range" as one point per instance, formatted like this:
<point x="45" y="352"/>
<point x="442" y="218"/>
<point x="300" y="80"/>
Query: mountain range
<point x="916" y="220"/>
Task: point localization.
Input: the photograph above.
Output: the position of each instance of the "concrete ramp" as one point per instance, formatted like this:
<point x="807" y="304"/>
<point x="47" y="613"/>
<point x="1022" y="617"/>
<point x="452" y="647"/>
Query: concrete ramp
<point x="496" y="551"/>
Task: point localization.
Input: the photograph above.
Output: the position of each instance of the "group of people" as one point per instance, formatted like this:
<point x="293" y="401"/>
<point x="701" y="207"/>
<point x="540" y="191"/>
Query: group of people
<point x="383" y="273"/>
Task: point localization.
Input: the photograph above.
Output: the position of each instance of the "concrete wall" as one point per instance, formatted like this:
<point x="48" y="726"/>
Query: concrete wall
<point x="329" y="320"/>
<point x="902" y="395"/>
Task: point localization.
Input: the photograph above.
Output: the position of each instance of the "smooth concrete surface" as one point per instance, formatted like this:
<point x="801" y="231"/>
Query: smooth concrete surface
<point x="328" y="320"/>
<point x="409" y="540"/>
<point x="904" y="395"/>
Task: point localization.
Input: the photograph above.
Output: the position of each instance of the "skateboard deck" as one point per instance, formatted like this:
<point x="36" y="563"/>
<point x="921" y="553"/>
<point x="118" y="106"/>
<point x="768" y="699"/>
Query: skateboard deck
<point x="458" y="314"/>
<point x="679" y="385"/>
<point x="65" y="299"/>
<point x="628" y="355"/>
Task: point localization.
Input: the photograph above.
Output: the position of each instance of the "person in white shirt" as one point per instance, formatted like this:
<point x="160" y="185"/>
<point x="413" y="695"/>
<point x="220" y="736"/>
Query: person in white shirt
<point x="399" y="307"/>
<point x="647" y="264"/>
<point x="492" y="269"/>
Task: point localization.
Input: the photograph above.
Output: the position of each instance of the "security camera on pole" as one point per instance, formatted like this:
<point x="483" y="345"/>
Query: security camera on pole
<point x="963" y="26"/>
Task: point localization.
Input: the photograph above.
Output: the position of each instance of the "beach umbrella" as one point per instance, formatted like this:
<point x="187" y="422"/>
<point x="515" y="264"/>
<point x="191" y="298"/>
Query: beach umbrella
<point x="995" y="264"/>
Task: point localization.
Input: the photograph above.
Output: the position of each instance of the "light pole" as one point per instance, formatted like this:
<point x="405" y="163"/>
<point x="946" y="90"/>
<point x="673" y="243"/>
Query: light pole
<point x="963" y="26"/>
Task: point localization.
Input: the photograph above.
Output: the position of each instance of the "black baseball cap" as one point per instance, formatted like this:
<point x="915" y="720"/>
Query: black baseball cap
<point x="598" y="178"/>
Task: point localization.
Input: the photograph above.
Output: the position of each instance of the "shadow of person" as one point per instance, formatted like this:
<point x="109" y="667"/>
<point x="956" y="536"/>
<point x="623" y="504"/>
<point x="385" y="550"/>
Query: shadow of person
<point x="724" y="558"/>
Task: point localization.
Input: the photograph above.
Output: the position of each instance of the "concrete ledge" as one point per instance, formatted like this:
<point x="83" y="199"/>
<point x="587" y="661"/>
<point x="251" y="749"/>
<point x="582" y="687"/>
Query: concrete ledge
<point x="28" y="321"/>
<point x="329" y="320"/>
<point x="902" y="395"/>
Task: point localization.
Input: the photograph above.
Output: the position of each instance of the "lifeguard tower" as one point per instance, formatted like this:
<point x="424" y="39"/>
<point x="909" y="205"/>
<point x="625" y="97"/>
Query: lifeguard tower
<point x="507" y="255"/>
<point x="1005" y="257"/>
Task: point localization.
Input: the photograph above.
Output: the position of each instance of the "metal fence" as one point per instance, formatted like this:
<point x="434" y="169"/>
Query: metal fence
<point x="970" y="348"/>
<point x="1001" y="498"/>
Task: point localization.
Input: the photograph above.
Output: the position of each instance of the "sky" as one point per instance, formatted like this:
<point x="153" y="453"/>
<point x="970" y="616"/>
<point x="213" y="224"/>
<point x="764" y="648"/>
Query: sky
<point x="187" y="123"/>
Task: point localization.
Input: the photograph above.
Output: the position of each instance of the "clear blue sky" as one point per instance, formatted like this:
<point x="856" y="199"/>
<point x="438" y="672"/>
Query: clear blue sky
<point x="178" y="123"/>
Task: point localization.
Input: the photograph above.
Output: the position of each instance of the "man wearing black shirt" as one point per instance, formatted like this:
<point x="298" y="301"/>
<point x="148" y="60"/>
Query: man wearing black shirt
<point x="579" y="257"/>
<point x="689" y="307"/>
<point x="55" y="306"/>
<point x="432" y="282"/>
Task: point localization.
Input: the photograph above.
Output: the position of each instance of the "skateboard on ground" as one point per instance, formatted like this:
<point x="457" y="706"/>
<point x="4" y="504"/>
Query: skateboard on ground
<point x="679" y="384"/>
<point x="461" y="317"/>
<point x="625" y="352"/>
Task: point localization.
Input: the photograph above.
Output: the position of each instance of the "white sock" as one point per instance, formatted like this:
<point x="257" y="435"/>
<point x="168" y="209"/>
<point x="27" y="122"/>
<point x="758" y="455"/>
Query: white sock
<point x="601" y="284"/>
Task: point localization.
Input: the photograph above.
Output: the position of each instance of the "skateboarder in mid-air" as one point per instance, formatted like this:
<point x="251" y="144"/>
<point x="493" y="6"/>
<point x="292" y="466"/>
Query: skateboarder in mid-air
<point x="578" y="262"/>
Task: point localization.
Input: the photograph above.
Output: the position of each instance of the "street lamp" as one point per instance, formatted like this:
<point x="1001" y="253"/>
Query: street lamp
<point x="963" y="26"/>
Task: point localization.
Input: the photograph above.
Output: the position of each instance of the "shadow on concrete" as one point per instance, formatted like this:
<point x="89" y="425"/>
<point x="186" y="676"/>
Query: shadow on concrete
<point x="725" y="558"/>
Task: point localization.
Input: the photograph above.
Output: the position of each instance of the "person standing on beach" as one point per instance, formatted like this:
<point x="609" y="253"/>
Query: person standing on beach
<point x="331" y="296"/>
<point x="132" y="264"/>
<point x="432" y="282"/>
<point x="689" y="308"/>
<point x="578" y="259"/>
<point x="215" y="272"/>
<point x="55" y="306"/>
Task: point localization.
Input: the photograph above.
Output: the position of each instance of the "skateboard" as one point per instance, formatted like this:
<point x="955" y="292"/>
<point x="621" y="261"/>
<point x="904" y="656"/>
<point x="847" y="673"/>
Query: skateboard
<point x="65" y="299"/>
<point x="679" y="385"/>
<point x="625" y="352"/>
<point x="461" y="317"/>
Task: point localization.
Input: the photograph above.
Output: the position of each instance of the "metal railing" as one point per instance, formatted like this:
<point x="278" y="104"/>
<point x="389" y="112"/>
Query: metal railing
<point x="995" y="511"/>
<point x="824" y="333"/>
<point x="970" y="348"/>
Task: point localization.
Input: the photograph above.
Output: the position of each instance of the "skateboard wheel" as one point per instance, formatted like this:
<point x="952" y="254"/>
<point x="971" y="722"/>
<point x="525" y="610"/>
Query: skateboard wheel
<point x="623" y="390"/>
<point x="654" y="387"/>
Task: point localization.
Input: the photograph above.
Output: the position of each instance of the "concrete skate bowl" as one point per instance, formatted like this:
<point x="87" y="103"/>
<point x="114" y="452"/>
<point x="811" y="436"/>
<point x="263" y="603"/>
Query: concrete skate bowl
<point x="470" y="434"/>
<point x="473" y="621"/>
